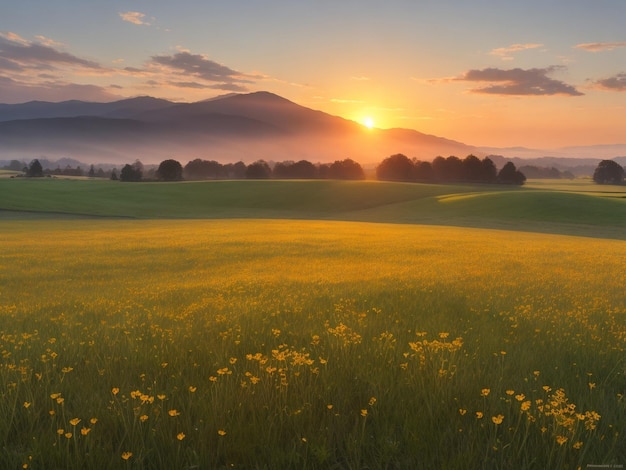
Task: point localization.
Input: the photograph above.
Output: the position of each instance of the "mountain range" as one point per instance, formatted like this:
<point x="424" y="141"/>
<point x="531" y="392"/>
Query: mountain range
<point x="228" y="128"/>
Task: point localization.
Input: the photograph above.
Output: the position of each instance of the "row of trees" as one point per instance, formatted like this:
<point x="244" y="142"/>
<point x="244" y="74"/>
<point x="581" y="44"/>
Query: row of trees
<point x="303" y="169"/>
<point x="452" y="169"/>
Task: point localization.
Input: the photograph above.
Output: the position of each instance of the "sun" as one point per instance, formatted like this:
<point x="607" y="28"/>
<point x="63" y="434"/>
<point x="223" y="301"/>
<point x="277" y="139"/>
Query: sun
<point x="368" y="122"/>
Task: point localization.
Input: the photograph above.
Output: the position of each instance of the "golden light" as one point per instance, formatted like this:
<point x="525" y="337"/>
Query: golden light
<point x="368" y="122"/>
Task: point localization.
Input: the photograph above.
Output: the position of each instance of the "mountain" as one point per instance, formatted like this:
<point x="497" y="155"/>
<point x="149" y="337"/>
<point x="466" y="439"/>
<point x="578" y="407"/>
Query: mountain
<point x="74" y="108"/>
<point x="228" y="128"/>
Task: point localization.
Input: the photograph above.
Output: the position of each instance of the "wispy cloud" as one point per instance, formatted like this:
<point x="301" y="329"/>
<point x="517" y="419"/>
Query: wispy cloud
<point x="201" y="67"/>
<point x="506" y="52"/>
<point x="134" y="17"/>
<point x="600" y="46"/>
<point x="14" y="91"/>
<point x="18" y="53"/>
<point x="520" y="82"/>
<point x="614" y="83"/>
<point x="34" y="69"/>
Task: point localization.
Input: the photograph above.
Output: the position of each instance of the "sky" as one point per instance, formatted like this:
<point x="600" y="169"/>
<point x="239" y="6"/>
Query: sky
<point x="533" y="73"/>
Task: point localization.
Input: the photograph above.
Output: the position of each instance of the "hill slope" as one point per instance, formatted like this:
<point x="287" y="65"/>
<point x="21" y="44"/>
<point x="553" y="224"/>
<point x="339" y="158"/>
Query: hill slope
<point x="459" y="205"/>
<point x="234" y="127"/>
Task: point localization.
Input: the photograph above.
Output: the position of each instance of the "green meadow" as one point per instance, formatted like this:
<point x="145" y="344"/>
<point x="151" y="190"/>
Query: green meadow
<point x="311" y="324"/>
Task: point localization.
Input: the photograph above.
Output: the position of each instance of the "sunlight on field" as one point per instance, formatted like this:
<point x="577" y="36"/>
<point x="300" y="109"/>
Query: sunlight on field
<point x="292" y="344"/>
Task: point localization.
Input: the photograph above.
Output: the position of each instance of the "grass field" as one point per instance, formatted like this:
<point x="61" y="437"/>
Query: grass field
<point x="290" y="343"/>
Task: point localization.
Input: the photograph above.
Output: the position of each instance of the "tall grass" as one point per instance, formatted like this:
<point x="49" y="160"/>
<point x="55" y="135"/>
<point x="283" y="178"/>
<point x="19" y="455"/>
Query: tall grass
<point x="293" y="344"/>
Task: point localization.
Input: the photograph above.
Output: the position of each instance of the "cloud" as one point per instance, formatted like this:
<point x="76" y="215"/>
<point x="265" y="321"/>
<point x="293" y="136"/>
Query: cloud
<point x="518" y="82"/>
<point x="600" y="46"/>
<point x="218" y="86"/>
<point x="200" y="67"/>
<point x="19" y="54"/>
<point x="614" y="83"/>
<point x="13" y="91"/>
<point x="134" y="17"/>
<point x="505" y="52"/>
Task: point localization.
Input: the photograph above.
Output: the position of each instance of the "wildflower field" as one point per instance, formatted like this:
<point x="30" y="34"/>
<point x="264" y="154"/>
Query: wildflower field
<point x="308" y="344"/>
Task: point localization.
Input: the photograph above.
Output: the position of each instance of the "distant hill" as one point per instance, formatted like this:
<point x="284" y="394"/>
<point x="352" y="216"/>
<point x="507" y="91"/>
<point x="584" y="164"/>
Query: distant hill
<point x="229" y="128"/>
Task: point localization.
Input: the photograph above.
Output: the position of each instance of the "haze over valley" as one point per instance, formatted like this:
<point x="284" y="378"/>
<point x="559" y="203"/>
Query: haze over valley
<point x="233" y="127"/>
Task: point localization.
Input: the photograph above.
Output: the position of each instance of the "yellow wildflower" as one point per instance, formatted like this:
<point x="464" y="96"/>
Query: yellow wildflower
<point x="484" y="392"/>
<point x="84" y="431"/>
<point x="115" y="390"/>
<point x="479" y="415"/>
<point x="497" y="419"/>
<point x="364" y="413"/>
<point x="221" y="432"/>
<point x="127" y="455"/>
<point x="173" y="413"/>
<point x="180" y="436"/>
<point x="74" y="421"/>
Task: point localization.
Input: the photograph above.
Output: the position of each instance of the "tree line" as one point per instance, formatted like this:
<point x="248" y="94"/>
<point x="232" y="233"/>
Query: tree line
<point x="448" y="170"/>
<point x="394" y="168"/>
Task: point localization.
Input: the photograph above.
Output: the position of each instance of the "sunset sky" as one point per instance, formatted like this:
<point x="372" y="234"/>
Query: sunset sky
<point x="532" y="73"/>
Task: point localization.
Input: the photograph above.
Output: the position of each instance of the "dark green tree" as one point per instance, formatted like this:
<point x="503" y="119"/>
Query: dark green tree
<point x="510" y="175"/>
<point x="472" y="169"/>
<point x="35" y="169"/>
<point x="423" y="171"/>
<point x="346" y="169"/>
<point x="130" y="173"/>
<point x="258" y="170"/>
<point x="489" y="170"/>
<point x="608" y="172"/>
<point x="397" y="167"/>
<point x="170" y="170"/>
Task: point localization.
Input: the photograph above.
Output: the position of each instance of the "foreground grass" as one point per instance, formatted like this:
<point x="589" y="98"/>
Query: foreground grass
<point x="299" y="344"/>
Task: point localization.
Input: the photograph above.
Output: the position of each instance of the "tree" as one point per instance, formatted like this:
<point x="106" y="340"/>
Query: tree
<point x="397" y="167"/>
<point x="258" y="170"/>
<point x="472" y="169"/>
<point x="439" y="167"/>
<point x="170" y="170"/>
<point x="346" y="169"/>
<point x="423" y="171"/>
<point x="114" y="174"/>
<point x="130" y="173"/>
<point x="201" y="169"/>
<point x="92" y="172"/>
<point x="608" y="172"/>
<point x="489" y="170"/>
<point x="510" y="175"/>
<point x="35" y="169"/>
